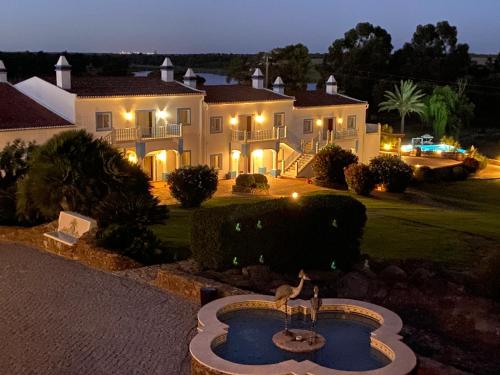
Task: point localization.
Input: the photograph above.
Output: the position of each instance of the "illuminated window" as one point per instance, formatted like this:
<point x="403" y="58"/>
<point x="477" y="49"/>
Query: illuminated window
<point x="103" y="121"/>
<point x="186" y="158"/>
<point x="279" y="119"/>
<point x="308" y="126"/>
<point x="351" y="122"/>
<point x="216" y="161"/>
<point x="215" y="125"/>
<point x="184" y="116"/>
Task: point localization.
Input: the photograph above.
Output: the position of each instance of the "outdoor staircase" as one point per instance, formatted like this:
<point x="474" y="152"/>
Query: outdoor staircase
<point x="294" y="169"/>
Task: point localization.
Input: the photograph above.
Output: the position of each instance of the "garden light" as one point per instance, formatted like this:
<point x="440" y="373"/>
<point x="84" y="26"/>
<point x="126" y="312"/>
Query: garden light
<point x="295" y="195"/>
<point x="387" y="146"/>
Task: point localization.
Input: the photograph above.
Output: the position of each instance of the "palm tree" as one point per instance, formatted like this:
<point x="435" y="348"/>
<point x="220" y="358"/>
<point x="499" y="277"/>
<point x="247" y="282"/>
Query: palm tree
<point x="406" y="98"/>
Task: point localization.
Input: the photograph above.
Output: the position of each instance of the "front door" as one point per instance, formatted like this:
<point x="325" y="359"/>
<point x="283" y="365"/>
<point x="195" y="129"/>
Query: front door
<point x="144" y="120"/>
<point x="328" y="127"/>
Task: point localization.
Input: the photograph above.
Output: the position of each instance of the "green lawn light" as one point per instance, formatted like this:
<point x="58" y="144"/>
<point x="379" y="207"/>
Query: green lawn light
<point x="261" y="259"/>
<point x="333" y="266"/>
<point x="236" y="262"/>
<point x="259" y="224"/>
<point x="238" y="227"/>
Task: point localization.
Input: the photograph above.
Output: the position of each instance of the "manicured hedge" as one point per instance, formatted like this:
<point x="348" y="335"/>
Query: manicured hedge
<point x="311" y="232"/>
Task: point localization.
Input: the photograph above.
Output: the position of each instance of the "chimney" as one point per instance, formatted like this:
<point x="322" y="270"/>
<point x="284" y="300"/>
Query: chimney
<point x="257" y="79"/>
<point x="3" y="72"/>
<point x="63" y="73"/>
<point x="190" y="78"/>
<point x="279" y="86"/>
<point x="331" y="85"/>
<point x="167" y="70"/>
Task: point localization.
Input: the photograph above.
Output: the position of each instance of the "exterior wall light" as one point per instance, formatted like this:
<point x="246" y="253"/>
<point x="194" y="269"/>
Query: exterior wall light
<point x="387" y="146"/>
<point x="132" y="158"/>
<point x="128" y="116"/>
<point x="258" y="153"/>
<point x="233" y="120"/>
<point x="162" y="156"/>
<point x="163" y="115"/>
<point x="340" y="120"/>
<point x="319" y="122"/>
<point x="259" y="119"/>
<point x="235" y="154"/>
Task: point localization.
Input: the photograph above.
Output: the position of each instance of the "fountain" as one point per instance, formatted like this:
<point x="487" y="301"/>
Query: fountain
<point x="246" y="334"/>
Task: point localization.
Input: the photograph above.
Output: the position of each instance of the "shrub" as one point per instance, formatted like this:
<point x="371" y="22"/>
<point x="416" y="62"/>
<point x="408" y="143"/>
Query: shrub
<point x="260" y="181"/>
<point x="245" y="180"/>
<point x="329" y="163"/>
<point x="120" y="208"/>
<point x="359" y="179"/>
<point x="391" y="171"/>
<point x="73" y="171"/>
<point x="471" y="165"/>
<point x="309" y="233"/>
<point x="8" y="206"/>
<point x="135" y="241"/>
<point x="423" y="174"/>
<point x="474" y="153"/>
<point x="193" y="185"/>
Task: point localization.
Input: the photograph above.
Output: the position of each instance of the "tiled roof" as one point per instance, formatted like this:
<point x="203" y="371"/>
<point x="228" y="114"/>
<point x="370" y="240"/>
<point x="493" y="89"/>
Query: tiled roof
<point x="125" y="86"/>
<point x="239" y="93"/>
<point x="17" y="111"/>
<point x="319" y="98"/>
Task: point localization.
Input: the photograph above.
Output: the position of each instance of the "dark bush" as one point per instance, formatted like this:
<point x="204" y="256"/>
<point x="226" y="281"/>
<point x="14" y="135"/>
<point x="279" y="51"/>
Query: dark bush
<point x="245" y="180"/>
<point x="471" y="165"/>
<point x="423" y="174"/>
<point x="312" y="232"/>
<point x="72" y="171"/>
<point x="14" y="160"/>
<point x="260" y="181"/>
<point x="120" y="208"/>
<point x="135" y="241"/>
<point x="391" y="171"/>
<point x="359" y="179"/>
<point x="329" y="163"/>
<point x="193" y="185"/>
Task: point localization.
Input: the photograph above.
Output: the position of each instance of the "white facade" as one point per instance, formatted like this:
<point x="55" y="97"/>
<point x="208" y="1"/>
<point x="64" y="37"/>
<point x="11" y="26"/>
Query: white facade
<point x="164" y="132"/>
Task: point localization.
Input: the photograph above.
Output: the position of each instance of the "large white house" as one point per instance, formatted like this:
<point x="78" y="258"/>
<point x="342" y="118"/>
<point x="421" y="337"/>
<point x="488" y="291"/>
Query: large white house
<point x="163" y="124"/>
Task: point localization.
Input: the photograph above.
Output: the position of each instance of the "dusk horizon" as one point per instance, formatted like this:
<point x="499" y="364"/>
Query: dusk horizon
<point x="193" y="26"/>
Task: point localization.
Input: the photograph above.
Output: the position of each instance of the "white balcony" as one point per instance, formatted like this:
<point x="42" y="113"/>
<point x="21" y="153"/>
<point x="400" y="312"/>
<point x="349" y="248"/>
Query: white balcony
<point x="137" y="134"/>
<point x="274" y="133"/>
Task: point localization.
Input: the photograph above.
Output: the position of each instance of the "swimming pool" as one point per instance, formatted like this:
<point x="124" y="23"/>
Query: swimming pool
<point x="441" y="147"/>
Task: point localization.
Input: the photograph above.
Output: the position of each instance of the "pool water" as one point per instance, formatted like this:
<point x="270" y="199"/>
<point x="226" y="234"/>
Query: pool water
<point x="347" y="347"/>
<point x="432" y="148"/>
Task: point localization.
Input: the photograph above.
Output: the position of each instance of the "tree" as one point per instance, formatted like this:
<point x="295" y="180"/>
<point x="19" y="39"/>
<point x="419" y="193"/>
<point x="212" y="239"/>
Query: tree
<point x="359" y="59"/>
<point x="406" y="99"/>
<point x="292" y="63"/>
<point x="14" y="160"/>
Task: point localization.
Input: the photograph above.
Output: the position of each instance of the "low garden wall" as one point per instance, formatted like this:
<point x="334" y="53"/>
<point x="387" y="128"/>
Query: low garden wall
<point x="84" y="251"/>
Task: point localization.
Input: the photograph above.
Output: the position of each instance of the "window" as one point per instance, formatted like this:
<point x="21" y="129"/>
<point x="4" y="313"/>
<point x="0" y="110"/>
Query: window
<point x="186" y="158"/>
<point x="184" y="116"/>
<point x="279" y="119"/>
<point x="215" y="125"/>
<point x="308" y="126"/>
<point x="216" y="161"/>
<point x="103" y="121"/>
<point x="351" y="122"/>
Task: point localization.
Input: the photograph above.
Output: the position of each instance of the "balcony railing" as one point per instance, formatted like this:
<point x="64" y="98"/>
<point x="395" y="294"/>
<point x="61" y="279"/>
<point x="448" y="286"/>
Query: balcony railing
<point x="345" y="134"/>
<point x="274" y="133"/>
<point x="137" y="134"/>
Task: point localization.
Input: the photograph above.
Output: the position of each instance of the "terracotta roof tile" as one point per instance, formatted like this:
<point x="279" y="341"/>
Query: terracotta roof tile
<point x="320" y="98"/>
<point x="18" y="111"/>
<point x="239" y="93"/>
<point x="125" y="86"/>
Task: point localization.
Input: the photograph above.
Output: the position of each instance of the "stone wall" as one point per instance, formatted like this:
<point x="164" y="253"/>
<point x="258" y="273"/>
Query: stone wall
<point x="173" y="279"/>
<point x="84" y="251"/>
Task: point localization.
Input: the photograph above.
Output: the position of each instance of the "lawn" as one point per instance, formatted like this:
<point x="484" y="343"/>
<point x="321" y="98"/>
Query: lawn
<point x="455" y="223"/>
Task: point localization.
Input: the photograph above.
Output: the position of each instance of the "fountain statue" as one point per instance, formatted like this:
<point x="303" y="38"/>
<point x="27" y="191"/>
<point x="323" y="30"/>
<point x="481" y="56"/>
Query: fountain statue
<point x="316" y="303"/>
<point x="287" y="292"/>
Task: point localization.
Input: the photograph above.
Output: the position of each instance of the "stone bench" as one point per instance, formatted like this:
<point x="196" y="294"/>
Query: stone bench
<point x="71" y="227"/>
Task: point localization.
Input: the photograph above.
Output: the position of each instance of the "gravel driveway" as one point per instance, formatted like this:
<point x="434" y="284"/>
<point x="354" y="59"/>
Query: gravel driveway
<point x="60" y="317"/>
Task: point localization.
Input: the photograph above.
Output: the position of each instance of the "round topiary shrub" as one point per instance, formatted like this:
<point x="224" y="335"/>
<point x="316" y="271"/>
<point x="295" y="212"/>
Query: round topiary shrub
<point x="329" y="163"/>
<point x="471" y="165"/>
<point x="391" y="171"/>
<point x="191" y="186"/>
<point x="260" y="181"/>
<point x="245" y="180"/>
<point x="359" y="179"/>
<point x="423" y="174"/>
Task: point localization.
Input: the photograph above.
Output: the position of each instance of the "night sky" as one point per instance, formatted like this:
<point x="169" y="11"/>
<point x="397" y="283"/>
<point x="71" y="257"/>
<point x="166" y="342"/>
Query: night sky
<point x="198" y="26"/>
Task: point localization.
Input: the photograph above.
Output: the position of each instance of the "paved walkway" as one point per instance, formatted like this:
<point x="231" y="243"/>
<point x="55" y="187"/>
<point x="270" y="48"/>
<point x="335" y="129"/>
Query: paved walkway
<point x="60" y="317"/>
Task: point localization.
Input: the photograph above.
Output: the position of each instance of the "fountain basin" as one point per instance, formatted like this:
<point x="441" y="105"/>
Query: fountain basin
<point x="235" y="337"/>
